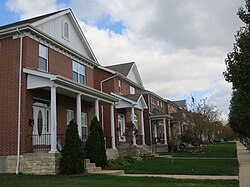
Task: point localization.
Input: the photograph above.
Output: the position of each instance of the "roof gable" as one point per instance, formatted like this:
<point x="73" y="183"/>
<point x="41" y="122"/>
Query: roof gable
<point x="53" y="26"/>
<point x="129" y="70"/>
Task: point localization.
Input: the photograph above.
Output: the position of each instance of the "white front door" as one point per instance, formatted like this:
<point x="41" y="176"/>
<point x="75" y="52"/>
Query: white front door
<point x="41" y="128"/>
<point x="121" y="127"/>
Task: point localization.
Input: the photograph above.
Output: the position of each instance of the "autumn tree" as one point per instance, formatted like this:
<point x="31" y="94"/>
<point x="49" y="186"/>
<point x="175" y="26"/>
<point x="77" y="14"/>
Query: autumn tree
<point x="237" y="73"/>
<point x="201" y="120"/>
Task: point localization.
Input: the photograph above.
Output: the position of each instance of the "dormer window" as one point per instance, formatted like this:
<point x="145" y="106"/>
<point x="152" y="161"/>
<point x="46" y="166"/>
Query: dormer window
<point x="66" y="30"/>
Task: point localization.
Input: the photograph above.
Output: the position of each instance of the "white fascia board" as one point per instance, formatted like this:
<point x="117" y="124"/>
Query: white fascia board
<point x="39" y="73"/>
<point x="106" y="69"/>
<point x="143" y="102"/>
<point x="123" y="98"/>
<point x="85" y="89"/>
<point x="34" y="82"/>
<point x="136" y="72"/>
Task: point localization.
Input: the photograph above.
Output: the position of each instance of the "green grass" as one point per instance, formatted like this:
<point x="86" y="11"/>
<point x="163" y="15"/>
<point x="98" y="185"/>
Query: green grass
<point x="217" y="150"/>
<point x="107" y="181"/>
<point x="184" y="166"/>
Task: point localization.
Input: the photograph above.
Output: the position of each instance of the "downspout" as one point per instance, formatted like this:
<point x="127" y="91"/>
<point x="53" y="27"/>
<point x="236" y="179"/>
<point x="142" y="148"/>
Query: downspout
<point x="101" y="84"/>
<point x="19" y="102"/>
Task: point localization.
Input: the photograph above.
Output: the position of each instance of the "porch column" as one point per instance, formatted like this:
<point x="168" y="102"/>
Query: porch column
<point x="165" y="131"/>
<point x="78" y="114"/>
<point x="97" y="108"/>
<point x="53" y="136"/>
<point x="112" y="121"/>
<point x="142" y="128"/>
<point x="133" y="121"/>
<point x="169" y="129"/>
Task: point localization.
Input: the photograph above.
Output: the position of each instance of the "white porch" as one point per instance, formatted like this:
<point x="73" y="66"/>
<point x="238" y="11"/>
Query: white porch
<point x="56" y="84"/>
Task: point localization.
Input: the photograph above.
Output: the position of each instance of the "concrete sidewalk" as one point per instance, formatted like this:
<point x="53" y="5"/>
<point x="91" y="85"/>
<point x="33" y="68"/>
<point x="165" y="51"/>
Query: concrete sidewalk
<point x="244" y="161"/>
<point x="211" y="177"/>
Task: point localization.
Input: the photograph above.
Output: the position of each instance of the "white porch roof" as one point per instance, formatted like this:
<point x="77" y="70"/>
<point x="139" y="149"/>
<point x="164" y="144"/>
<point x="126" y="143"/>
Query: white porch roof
<point x="128" y="103"/>
<point x="65" y="86"/>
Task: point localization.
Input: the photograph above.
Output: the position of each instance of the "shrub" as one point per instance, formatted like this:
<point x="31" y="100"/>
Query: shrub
<point x="123" y="161"/>
<point x="72" y="160"/>
<point x="95" y="144"/>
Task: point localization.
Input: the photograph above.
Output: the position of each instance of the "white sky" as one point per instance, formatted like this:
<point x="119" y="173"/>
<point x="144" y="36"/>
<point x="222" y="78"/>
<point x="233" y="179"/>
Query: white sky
<point x="179" y="46"/>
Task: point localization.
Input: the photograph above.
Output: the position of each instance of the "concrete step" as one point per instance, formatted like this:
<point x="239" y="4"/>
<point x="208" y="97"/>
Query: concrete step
<point x="90" y="165"/>
<point x="87" y="161"/>
<point x="93" y="169"/>
<point x="110" y="172"/>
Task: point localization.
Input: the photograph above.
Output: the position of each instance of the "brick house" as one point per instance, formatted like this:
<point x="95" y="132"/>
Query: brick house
<point x="124" y="83"/>
<point x="47" y="78"/>
<point x="163" y="120"/>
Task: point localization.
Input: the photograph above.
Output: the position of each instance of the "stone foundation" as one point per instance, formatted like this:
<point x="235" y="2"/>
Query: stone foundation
<point x="133" y="150"/>
<point x="112" y="153"/>
<point x="159" y="148"/>
<point x="35" y="163"/>
<point x="3" y="164"/>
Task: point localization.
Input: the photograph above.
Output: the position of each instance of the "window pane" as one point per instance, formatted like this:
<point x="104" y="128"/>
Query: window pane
<point x="81" y="79"/>
<point x="42" y="64"/>
<point x="132" y="90"/>
<point x="81" y="69"/>
<point x="75" y="76"/>
<point x="43" y="51"/>
<point x="75" y="66"/>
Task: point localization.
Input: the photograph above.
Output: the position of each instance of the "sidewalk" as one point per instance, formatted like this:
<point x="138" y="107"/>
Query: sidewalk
<point x="211" y="177"/>
<point x="244" y="161"/>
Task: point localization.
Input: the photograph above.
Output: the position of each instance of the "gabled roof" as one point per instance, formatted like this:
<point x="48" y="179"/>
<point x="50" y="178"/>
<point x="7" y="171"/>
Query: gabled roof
<point x="33" y="23"/>
<point x="30" y="20"/>
<point x="123" y="68"/>
<point x="129" y="70"/>
<point x="133" y="97"/>
<point x="158" y="114"/>
<point x="181" y="103"/>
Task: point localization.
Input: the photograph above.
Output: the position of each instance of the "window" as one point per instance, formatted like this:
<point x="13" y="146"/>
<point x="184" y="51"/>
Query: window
<point x="84" y="126"/>
<point x="70" y="116"/>
<point x="152" y="100"/>
<point x="43" y="58"/>
<point x="78" y="72"/>
<point x="158" y="103"/>
<point x="132" y="90"/>
<point x="161" y="104"/>
<point x="119" y="86"/>
<point x="65" y="30"/>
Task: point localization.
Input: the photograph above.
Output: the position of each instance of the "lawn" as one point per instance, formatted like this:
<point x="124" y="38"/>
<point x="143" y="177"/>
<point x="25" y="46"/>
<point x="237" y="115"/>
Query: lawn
<point x="184" y="166"/>
<point x="107" y="181"/>
<point x="216" y="150"/>
<point x="218" y="159"/>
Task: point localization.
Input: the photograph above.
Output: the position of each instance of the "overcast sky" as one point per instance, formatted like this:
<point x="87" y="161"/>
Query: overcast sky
<point x="179" y="46"/>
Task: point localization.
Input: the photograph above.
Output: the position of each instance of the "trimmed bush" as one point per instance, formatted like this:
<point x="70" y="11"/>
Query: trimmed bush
<point x="95" y="144"/>
<point x="72" y="161"/>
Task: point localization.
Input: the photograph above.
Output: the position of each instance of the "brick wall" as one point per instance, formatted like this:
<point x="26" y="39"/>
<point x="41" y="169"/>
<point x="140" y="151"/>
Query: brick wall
<point x="9" y="68"/>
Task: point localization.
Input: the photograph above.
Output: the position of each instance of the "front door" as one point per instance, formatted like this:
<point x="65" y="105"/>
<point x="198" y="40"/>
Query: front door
<point x="121" y="127"/>
<point x="41" y="128"/>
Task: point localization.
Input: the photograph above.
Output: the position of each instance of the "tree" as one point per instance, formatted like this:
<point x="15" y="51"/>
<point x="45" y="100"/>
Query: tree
<point x="202" y="118"/>
<point x="95" y="144"/>
<point x="237" y="73"/>
<point x="72" y="160"/>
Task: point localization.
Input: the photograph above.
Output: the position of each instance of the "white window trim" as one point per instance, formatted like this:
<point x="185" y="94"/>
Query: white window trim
<point x="132" y="90"/>
<point x="47" y="58"/>
<point x="119" y="86"/>
<point x="78" y="71"/>
<point x="63" y="30"/>
<point x="72" y="116"/>
<point x="84" y="124"/>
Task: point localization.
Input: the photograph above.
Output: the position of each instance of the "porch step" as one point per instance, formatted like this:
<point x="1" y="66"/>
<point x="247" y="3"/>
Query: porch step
<point x="91" y="168"/>
<point x="111" y="172"/>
